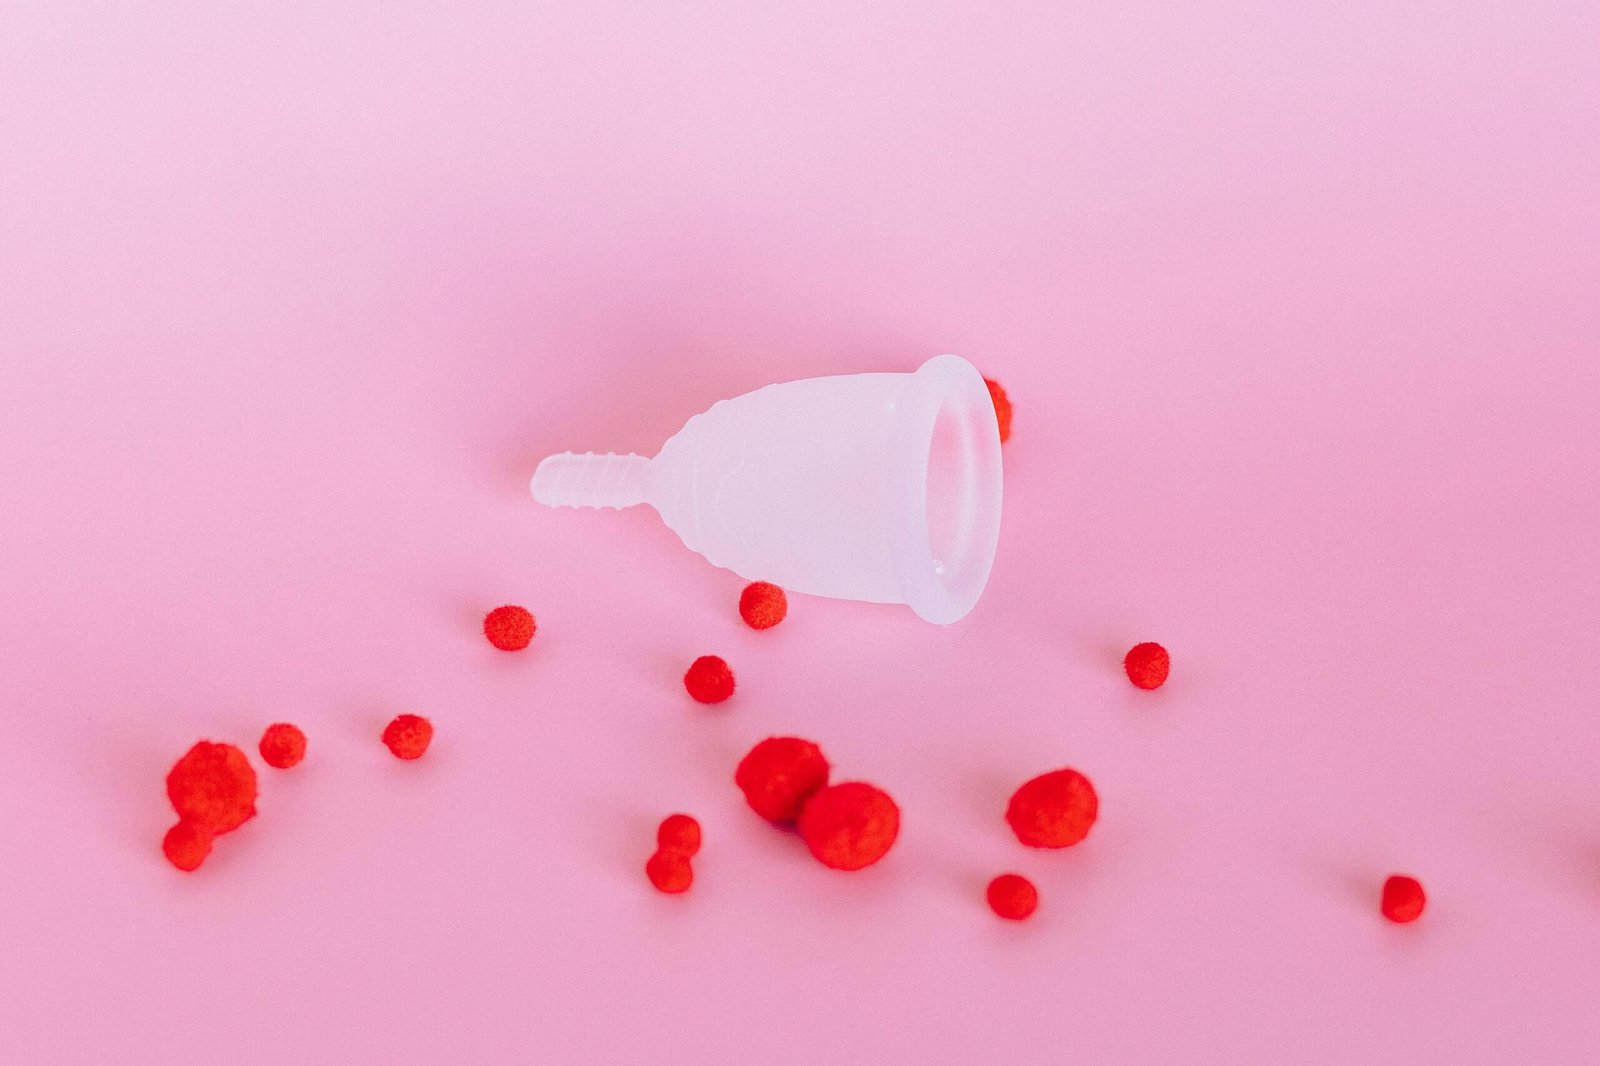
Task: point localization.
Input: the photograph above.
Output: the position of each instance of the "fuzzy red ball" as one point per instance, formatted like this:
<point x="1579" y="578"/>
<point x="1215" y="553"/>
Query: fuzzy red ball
<point x="679" y="833"/>
<point x="1013" y="896"/>
<point x="186" y="845"/>
<point x="214" y="786"/>
<point x="509" y="628"/>
<point x="850" y="825"/>
<point x="709" y="680"/>
<point x="1002" y="408"/>
<point x="1403" y="899"/>
<point x="283" y="746"/>
<point x="408" y="736"/>
<point x="669" y="871"/>
<point x="779" y="774"/>
<point x="1053" y="810"/>
<point x="1147" y="664"/>
<point x="762" y="605"/>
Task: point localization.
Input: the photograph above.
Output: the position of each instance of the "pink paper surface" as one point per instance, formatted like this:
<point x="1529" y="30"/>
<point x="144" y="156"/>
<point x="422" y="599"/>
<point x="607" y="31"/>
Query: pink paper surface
<point x="1298" y="306"/>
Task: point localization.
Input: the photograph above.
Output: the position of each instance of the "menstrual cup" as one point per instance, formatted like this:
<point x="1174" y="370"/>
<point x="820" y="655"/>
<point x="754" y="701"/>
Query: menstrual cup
<point x="878" y="487"/>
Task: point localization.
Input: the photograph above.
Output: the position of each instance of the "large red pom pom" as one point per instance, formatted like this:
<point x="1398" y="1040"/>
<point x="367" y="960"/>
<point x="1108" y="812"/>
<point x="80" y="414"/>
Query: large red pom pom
<point x="1403" y="899"/>
<point x="850" y="825"/>
<point x="509" y="628"/>
<point x="1013" y="896"/>
<point x="214" y="786"/>
<point x="282" y="746"/>
<point x="779" y="775"/>
<point x="762" y="605"/>
<point x="709" y="680"/>
<point x="408" y="736"/>
<point x="1053" y="810"/>
<point x="186" y="845"/>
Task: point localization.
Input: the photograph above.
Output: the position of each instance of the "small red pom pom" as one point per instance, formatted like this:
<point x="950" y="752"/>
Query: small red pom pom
<point x="186" y="845"/>
<point x="214" y="786"/>
<point x="762" y="605"/>
<point x="779" y="774"/>
<point x="1002" y="408"/>
<point x="1053" y="810"/>
<point x="669" y="871"/>
<point x="283" y="746"/>
<point x="680" y="834"/>
<point x="509" y="628"/>
<point x="1403" y="899"/>
<point x="1013" y="896"/>
<point x="850" y="825"/>
<point x="709" y="680"/>
<point x="1147" y="664"/>
<point x="408" y="736"/>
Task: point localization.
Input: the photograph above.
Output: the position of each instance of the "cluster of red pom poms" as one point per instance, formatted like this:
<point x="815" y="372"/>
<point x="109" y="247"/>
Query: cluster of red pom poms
<point x="846" y="826"/>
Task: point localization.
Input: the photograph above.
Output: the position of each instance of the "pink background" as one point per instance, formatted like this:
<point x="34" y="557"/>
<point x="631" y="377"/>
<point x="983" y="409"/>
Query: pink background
<point x="1298" y="306"/>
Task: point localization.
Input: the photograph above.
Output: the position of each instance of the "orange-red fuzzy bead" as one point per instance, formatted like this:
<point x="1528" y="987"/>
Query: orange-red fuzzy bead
<point x="669" y="871"/>
<point x="779" y="774"/>
<point x="1053" y="810"/>
<point x="709" y="680"/>
<point x="186" y="845"/>
<point x="214" y="786"/>
<point x="762" y="605"/>
<point x="679" y="833"/>
<point x="408" y="736"/>
<point x="1403" y="899"/>
<point x="1147" y="664"/>
<point x="1013" y="896"/>
<point x="283" y="746"/>
<point x="1002" y="408"/>
<point x="850" y="825"/>
<point x="509" y="628"/>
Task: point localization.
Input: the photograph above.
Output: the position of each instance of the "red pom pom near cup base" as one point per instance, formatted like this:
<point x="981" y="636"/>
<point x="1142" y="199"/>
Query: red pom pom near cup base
<point x="709" y="680"/>
<point x="763" y="605"/>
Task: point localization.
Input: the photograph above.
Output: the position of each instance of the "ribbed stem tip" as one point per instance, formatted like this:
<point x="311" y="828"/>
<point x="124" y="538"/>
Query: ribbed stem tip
<point x="591" y="480"/>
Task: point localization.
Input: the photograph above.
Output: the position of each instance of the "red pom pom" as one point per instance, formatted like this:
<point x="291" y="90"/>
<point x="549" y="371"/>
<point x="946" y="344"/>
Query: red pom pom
<point x="1403" y="899"/>
<point x="214" y="786"/>
<point x="1053" y="810"/>
<point x="669" y="871"/>
<point x="509" y="628"/>
<point x="408" y="736"/>
<point x="1002" y="408"/>
<point x="709" y="680"/>
<point x="850" y="825"/>
<point x="1147" y="664"/>
<point x="1013" y="896"/>
<point x="779" y="775"/>
<point x="680" y="834"/>
<point x="283" y="746"/>
<point x="186" y="845"/>
<point x="762" y="605"/>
